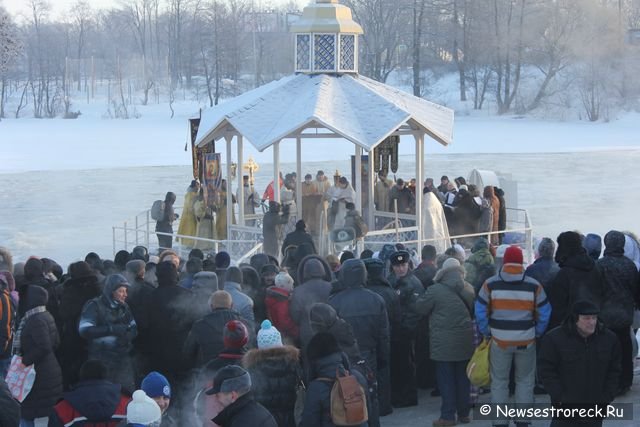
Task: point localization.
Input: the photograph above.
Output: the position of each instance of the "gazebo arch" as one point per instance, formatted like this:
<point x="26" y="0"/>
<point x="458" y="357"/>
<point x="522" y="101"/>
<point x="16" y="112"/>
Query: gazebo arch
<point x="325" y="98"/>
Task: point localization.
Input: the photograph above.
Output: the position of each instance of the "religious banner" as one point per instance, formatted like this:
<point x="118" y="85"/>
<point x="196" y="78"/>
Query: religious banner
<point x="212" y="177"/>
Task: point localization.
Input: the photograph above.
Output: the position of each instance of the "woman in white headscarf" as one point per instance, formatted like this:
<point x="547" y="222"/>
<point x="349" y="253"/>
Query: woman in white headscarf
<point x="434" y="224"/>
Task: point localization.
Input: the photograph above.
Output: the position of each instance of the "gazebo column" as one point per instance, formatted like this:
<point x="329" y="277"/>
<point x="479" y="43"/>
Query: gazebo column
<point x="228" y="139"/>
<point x="299" y="173"/>
<point x="358" y="178"/>
<point x="276" y="171"/>
<point x="371" y="185"/>
<point x="241" y="197"/>
<point x="419" y="183"/>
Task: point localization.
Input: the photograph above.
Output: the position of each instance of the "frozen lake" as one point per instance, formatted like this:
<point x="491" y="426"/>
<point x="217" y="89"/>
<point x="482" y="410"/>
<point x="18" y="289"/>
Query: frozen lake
<point x="63" y="214"/>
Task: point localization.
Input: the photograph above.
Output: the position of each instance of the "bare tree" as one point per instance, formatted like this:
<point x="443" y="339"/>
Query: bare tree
<point x="10" y="49"/>
<point x="381" y="21"/>
<point x="555" y="31"/>
<point x="478" y="52"/>
<point x="418" y="20"/>
<point x="509" y="47"/>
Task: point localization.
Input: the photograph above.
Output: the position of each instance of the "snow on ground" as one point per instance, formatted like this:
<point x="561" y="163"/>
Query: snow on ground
<point x="92" y="141"/>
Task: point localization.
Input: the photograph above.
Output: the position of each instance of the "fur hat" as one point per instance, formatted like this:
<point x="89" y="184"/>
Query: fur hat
<point x="142" y="409"/>
<point x="375" y="267"/>
<point x="513" y="255"/>
<point x="235" y="334"/>
<point x="268" y="336"/>
<point x="230" y="378"/>
<point x="400" y="257"/>
<point x="569" y="243"/>
<point x="322" y="345"/>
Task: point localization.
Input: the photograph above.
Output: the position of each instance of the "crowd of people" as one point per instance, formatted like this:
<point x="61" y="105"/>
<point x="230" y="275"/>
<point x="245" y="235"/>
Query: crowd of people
<point x="158" y="340"/>
<point x="451" y="209"/>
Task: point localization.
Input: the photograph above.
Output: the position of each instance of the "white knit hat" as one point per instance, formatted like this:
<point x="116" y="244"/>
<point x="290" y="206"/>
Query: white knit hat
<point x="284" y="281"/>
<point x="143" y="409"/>
<point x="268" y="336"/>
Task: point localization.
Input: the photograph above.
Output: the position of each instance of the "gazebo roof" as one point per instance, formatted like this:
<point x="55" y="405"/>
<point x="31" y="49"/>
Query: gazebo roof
<point x="357" y="108"/>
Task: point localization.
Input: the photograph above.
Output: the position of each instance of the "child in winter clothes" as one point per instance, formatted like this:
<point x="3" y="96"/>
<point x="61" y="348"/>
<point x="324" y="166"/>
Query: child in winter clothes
<point x="277" y="302"/>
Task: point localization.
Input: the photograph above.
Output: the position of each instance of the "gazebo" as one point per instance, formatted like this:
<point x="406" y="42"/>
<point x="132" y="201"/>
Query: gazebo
<point x="325" y="98"/>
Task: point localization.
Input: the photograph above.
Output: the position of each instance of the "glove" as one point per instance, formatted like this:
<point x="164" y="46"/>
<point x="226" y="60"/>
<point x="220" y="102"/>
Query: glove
<point x="119" y="330"/>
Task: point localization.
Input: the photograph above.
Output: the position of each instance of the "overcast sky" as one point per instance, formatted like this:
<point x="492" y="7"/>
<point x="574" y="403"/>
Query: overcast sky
<point x="60" y="7"/>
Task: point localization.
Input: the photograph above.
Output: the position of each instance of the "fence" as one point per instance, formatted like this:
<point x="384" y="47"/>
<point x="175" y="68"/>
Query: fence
<point x="245" y="241"/>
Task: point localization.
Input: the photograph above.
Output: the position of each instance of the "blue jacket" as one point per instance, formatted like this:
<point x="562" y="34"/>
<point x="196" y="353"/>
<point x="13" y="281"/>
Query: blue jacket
<point x="242" y="303"/>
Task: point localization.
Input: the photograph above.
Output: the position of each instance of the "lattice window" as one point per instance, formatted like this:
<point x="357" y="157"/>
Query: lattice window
<point x="303" y="52"/>
<point x="347" y="52"/>
<point x="324" y="52"/>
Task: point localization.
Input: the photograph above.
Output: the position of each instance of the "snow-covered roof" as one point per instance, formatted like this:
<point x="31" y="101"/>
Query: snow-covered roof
<point x="359" y="109"/>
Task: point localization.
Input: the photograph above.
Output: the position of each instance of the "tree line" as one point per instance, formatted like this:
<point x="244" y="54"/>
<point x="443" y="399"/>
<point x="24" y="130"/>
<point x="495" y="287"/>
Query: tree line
<point x="512" y="56"/>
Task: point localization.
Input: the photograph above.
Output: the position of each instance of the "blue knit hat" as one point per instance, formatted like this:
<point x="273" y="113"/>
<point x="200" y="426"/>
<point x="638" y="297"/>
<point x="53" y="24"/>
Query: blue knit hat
<point x="268" y="336"/>
<point x="155" y="385"/>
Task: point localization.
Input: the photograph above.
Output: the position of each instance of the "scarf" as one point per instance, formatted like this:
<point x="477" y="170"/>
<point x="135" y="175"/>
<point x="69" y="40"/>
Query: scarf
<point x="17" y="346"/>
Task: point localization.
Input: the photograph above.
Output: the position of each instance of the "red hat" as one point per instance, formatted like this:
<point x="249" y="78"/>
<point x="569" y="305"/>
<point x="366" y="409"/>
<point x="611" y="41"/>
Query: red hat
<point x="513" y="255"/>
<point x="235" y="334"/>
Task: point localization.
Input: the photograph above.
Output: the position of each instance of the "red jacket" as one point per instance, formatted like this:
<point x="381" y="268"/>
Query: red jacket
<point x="277" y="302"/>
<point x="269" y="193"/>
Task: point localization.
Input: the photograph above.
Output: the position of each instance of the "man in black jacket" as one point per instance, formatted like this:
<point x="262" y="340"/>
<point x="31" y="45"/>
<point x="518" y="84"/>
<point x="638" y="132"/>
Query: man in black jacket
<point x="376" y="282"/>
<point x="232" y="388"/>
<point x="403" y="369"/>
<point x="579" y="363"/>
<point x="579" y="278"/>
<point x="620" y="288"/>
<point x="298" y="237"/>
<point x="205" y="341"/>
<point x="366" y="312"/>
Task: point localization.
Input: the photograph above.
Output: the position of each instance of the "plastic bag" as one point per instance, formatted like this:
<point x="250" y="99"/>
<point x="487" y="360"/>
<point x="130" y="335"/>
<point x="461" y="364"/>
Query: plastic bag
<point x="478" y="369"/>
<point x="20" y="378"/>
